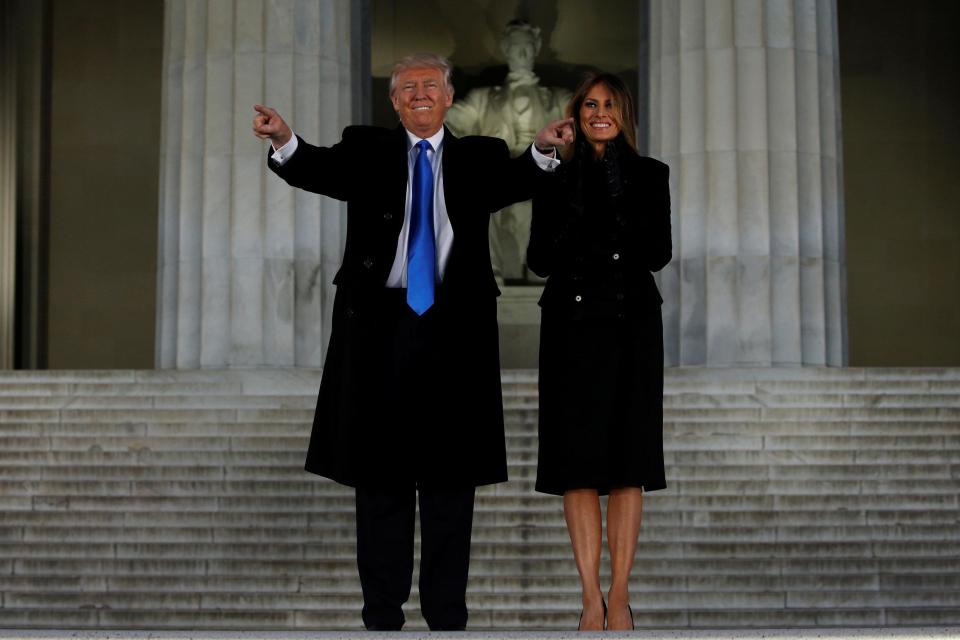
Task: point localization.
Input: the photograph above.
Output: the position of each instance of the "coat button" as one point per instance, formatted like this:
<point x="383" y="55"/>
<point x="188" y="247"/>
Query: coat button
<point x="619" y="296"/>
<point x="578" y="298"/>
<point x="350" y="312"/>
<point x="367" y="262"/>
<point x="616" y="256"/>
<point x="388" y="216"/>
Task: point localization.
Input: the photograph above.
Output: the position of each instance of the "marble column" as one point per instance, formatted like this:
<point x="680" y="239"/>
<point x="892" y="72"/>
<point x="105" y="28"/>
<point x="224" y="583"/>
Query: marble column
<point x="246" y="262"/>
<point x="745" y="108"/>
<point x="8" y="181"/>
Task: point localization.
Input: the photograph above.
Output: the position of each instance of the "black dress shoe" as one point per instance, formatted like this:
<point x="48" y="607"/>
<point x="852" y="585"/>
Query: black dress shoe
<point x="377" y="627"/>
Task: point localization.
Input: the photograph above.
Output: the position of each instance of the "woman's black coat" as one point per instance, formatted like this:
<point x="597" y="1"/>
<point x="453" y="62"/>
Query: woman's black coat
<point x="591" y="273"/>
<point x="599" y="231"/>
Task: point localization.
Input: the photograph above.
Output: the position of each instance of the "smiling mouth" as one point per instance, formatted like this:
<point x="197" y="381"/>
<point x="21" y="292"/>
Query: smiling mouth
<point x="600" y="125"/>
<point x="423" y="108"/>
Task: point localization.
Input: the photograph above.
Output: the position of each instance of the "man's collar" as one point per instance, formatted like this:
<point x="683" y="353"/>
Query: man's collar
<point x="434" y="140"/>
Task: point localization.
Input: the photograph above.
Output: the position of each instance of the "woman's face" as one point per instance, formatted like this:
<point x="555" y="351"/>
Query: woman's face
<point x="597" y="119"/>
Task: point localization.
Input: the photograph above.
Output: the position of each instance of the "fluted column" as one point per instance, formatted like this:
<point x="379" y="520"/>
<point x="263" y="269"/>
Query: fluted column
<point x="246" y="262"/>
<point x="8" y="181"/>
<point x="744" y="106"/>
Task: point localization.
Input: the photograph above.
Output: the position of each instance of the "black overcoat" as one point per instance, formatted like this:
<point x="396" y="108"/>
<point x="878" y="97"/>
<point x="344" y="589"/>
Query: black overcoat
<point x="599" y="230"/>
<point x="577" y="261"/>
<point x="357" y="438"/>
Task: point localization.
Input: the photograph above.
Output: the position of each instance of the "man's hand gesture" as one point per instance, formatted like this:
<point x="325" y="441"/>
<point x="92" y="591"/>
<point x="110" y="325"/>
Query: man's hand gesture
<point x="558" y="133"/>
<point x="268" y="124"/>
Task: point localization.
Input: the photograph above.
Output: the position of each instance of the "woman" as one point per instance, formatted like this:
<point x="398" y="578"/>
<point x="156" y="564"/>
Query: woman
<point x="601" y="225"/>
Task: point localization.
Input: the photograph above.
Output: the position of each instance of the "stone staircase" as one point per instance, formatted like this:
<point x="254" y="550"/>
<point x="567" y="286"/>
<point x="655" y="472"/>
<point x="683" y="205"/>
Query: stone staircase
<point x="164" y="500"/>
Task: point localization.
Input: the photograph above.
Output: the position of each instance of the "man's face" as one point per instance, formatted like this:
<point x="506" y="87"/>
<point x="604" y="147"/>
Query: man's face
<point x="520" y="50"/>
<point x="421" y="99"/>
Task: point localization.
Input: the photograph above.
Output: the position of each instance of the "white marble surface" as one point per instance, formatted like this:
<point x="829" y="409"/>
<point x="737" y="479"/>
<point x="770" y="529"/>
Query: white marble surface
<point x="245" y="261"/>
<point x="8" y="189"/>
<point x="744" y="108"/>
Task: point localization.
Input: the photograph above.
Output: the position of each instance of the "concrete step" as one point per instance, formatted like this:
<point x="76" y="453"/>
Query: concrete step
<point x="816" y="428"/>
<point x="805" y="505"/>
<point x="507" y="601"/>
<point x="508" y="498"/>
<point x="518" y="445"/>
<point x="824" y="400"/>
<point x="226" y="398"/>
<point x="520" y="488"/>
<point x="143" y="456"/>
<point x="177" y="499"/>
<point x="524" y="470"/>
<point x="37" y="389"/>
<point x="717" y="568"/>
<point x="487" y="531"/>
<point x="543" y="619"/>
<point x="343" y="550"/>
<point x="849" y="633"/>
<point x="813" y="458"/>
<point x="300" y="411"/>
<point x="161" y="402"/>
<point x="480" y="582"/>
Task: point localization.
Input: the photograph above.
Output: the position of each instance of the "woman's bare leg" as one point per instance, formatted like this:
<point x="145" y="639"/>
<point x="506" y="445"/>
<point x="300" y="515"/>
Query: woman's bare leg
<point x="581" y="508"/>
<point x="624" y="511"/>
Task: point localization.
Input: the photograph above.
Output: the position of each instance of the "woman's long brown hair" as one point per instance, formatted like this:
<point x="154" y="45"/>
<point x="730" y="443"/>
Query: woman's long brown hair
<point x="624" y="112"/>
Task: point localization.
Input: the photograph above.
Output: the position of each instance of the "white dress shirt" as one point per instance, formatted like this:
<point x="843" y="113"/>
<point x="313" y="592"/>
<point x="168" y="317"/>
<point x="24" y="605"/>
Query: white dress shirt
<point x="443" y="231"/>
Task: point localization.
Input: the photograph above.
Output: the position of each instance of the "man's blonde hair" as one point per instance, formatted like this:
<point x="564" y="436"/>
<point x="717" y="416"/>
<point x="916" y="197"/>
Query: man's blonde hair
<point x="422" y="61"/>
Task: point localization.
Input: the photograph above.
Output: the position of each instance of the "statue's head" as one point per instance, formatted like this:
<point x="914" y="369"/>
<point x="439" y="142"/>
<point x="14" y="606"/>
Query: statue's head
<point x="520" y="44"/>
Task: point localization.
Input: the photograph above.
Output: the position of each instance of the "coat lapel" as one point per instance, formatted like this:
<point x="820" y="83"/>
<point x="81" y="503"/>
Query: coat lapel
<point x="451" y="150"/>
<point x="397" y="170"/>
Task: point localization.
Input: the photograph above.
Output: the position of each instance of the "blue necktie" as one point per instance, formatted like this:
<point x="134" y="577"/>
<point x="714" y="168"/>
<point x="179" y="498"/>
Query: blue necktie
<point x="421" y="247"/>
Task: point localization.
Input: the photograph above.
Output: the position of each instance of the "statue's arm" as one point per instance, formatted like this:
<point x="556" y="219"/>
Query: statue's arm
<point x="463" y="117"/>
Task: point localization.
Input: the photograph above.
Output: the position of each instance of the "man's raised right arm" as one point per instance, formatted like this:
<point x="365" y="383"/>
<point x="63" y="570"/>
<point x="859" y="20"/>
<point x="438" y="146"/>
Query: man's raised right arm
<point x="318" y="169"/>
<point x="268" y="125"/>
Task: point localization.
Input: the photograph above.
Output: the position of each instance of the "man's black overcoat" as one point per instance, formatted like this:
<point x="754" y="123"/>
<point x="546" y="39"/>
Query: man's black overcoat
<point x="362" y="434"/>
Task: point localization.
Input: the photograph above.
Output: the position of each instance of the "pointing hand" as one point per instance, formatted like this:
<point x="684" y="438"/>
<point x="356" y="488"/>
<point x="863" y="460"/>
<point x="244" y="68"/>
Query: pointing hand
<point x="268" y="124"/>
<point x="558" y="133"/>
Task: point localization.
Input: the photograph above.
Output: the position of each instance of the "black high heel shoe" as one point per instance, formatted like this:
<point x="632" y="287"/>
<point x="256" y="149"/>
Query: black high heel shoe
<point x="604" y="603"/>
<point x="633" y="625"/>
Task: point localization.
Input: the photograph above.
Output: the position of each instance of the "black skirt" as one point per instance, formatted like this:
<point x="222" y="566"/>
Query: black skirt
<point x="601" y="402"/>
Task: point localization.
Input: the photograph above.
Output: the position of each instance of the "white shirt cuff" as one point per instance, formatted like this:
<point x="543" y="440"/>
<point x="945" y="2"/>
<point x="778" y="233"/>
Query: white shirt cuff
<point x="283" y="154"/>
<point x="545" y="162"/>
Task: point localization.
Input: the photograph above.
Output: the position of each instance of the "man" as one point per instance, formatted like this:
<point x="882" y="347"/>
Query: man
<point x="410" y="401"/>
<point x="514" y="111"/>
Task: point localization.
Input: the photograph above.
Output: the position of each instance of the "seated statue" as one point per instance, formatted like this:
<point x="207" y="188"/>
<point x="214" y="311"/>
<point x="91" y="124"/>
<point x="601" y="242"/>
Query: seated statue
<point x="514" y="111"/>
